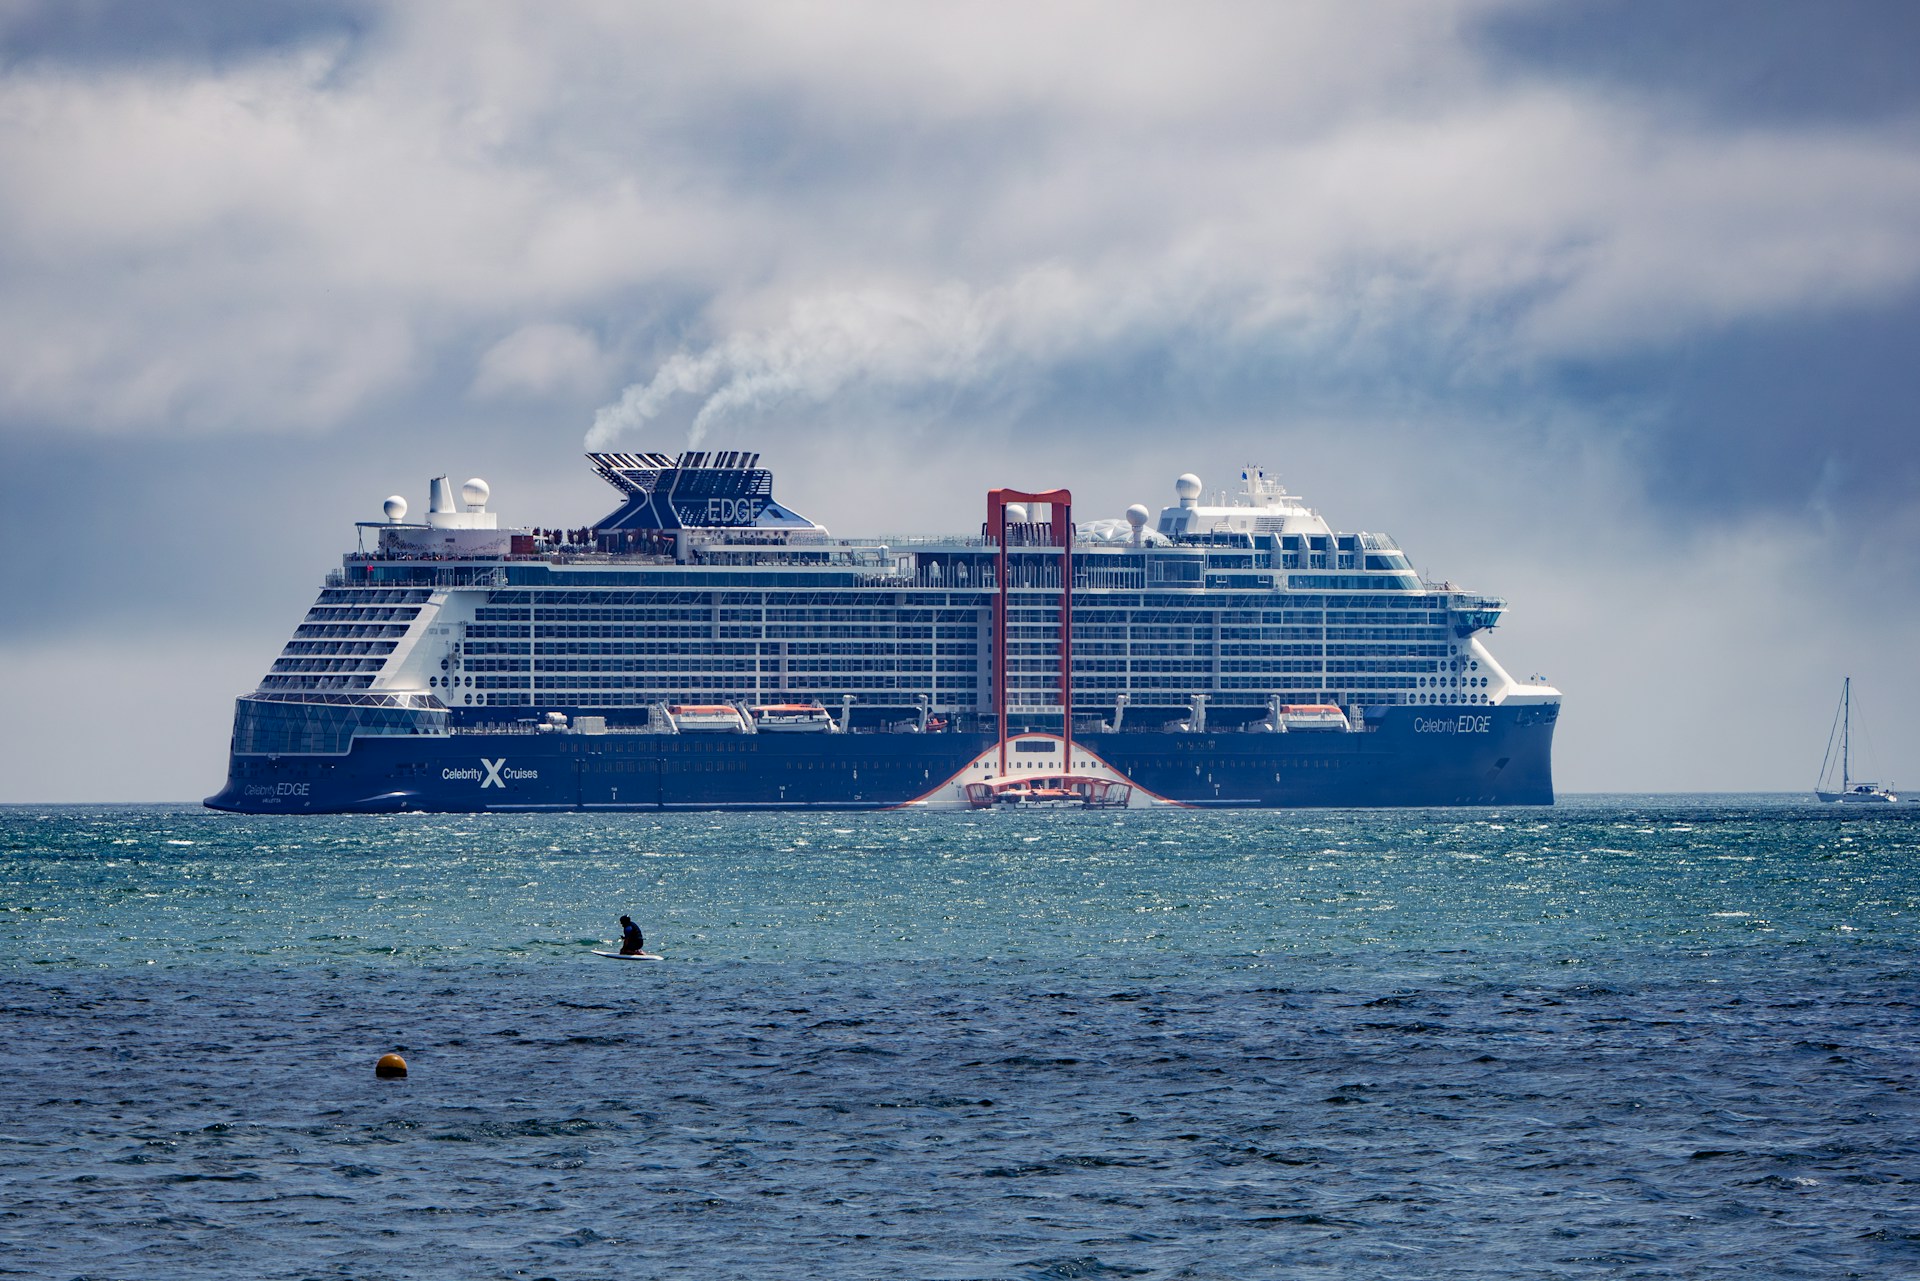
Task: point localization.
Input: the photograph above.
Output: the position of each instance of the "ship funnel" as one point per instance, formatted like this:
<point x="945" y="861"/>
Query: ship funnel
<point x="440" y="495"/>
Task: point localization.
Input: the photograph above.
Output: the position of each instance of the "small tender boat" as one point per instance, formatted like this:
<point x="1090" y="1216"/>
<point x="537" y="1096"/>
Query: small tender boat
<point x="1850" y="792"/>
<point x="793" y="718"/>
<point x="1069" y="791"/>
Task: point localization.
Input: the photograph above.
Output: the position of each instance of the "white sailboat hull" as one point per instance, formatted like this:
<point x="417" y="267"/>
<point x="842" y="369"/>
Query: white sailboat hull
<point x="1875" y="796"/>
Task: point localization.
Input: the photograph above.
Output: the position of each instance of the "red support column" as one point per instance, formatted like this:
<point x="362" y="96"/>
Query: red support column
<point x="999" y="515"/>
<point x="1063" y="530"/>
<point x="1061" y="503"/>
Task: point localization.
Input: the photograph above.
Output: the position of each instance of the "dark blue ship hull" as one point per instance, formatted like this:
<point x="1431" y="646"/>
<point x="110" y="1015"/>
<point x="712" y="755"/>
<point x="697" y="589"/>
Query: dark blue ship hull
<point x="1406" y="756"/>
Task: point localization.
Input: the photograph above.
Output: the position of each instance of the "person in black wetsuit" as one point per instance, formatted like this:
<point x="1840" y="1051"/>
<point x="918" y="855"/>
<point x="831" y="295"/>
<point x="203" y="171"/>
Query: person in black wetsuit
<point x="631" y="939"/>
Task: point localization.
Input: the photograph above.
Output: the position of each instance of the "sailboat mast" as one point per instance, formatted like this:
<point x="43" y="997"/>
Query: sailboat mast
<point x="1846" y="724"/>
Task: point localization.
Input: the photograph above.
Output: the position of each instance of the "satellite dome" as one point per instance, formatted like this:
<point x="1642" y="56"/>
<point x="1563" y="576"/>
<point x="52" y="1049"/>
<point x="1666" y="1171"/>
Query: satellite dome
<point x="1137" y="515"/>
<point x="1188" y="487"/>
<point x="1017" y="512"/>
<point x="396" y="508"/>
<point x="475" y="493"/>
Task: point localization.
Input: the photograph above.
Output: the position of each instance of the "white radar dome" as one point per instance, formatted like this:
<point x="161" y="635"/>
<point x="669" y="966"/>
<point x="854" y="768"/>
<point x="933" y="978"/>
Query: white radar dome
<point x="475" y="494"/>
<point x="1188" y="487"/>
<point x="1137" y="515"/>
<point x="1017" y="513"/>
<point x="396" y="508"/>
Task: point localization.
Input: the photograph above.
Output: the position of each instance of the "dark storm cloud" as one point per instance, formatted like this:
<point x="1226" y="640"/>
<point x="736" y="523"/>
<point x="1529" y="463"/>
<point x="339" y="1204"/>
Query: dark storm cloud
<point x="150" y="536"/>
<point x="1746" y="63"/>
<point x="1783" y="416"/>
<point x="1813" y="406"/>
<point x="143" y="537"/>
<point x="101" y="32"/>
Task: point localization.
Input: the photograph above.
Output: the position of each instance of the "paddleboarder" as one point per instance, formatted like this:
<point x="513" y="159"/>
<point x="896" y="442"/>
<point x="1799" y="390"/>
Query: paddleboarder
<point x="632" y="941"/>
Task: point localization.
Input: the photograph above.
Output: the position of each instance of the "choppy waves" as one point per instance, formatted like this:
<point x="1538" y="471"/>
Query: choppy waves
<point x="1607" y="1040"/>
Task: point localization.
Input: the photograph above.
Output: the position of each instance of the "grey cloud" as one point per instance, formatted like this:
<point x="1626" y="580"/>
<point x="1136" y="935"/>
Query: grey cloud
<point x="287" y="238"/>
<point x="1618" y="331"/>
<point x="944" y="337"/>
<point x="540" y="358"/>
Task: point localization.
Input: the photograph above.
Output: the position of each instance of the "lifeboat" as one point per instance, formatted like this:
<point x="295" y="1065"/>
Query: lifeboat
<point x="1312" y="716"/>
<point x="707" y="718"/>
<point x="793" y="718"/>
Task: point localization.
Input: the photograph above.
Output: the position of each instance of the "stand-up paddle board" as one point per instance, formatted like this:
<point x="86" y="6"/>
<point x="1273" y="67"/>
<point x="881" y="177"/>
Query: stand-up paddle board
<point x="630" y="956"/>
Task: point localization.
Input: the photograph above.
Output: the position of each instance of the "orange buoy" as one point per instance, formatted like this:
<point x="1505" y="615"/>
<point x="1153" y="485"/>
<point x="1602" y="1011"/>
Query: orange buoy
<point x="390" y="1065"/>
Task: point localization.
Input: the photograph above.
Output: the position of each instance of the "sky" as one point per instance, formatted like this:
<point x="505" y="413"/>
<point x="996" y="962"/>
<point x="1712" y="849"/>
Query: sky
<point x="1607" y="308"/>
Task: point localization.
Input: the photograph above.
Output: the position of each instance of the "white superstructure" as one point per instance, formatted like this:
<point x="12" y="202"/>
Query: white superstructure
<point x="1211" y="616"/>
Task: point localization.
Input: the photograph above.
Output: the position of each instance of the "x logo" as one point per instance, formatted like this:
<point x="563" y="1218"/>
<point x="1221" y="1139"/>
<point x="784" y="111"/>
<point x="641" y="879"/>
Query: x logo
<point x="493" y="778"/>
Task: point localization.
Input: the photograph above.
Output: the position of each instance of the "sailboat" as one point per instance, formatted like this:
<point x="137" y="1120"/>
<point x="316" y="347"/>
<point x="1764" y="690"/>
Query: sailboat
<point x="1850" y="793"/>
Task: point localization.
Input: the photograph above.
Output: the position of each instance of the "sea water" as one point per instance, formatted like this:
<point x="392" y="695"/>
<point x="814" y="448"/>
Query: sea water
<point x="1621" y="1037"/>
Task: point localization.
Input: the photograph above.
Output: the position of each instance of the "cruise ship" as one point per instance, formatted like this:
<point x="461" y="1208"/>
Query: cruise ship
<point x="704" y="646"/>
